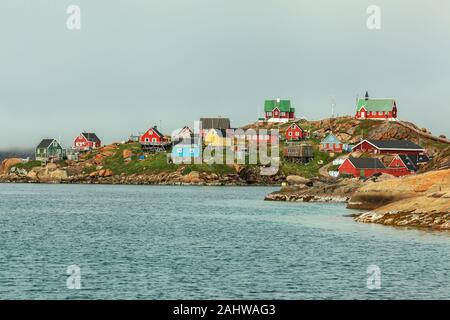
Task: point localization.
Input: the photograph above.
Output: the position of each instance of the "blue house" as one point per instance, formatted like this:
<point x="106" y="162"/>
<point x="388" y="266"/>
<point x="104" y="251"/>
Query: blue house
<point x="186" y="149"/>
<point x="331" y="144"/>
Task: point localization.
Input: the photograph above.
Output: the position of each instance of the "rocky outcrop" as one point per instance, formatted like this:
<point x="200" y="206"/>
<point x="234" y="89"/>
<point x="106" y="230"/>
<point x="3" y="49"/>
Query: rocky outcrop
<point x="316" y="190"/>
<point x="7" y="164"/>
<point x="418" y="201"/>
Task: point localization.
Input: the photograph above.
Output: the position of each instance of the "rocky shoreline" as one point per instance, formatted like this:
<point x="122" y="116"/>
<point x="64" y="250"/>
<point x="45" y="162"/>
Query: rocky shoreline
<point x="419" y="201"/>
<point x="52" y="173"/>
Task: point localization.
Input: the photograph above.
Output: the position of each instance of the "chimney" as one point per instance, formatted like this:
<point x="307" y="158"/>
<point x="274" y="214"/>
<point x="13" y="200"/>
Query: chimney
<point x="278" y="100"/>
<point x="367" y="95"/>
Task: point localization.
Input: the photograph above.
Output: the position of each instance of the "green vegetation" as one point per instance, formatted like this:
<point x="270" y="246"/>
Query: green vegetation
<point x="28" y="165"/>
<point x="310" y="169"/>
<point x="219" y="169"/>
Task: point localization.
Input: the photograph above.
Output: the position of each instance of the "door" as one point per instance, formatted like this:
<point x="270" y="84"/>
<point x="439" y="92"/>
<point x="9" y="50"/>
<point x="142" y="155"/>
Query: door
<point x="363" y="114"/>
<point x="361" y="173"/>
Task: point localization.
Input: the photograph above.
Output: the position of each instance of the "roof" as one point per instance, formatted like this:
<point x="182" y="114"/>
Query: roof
<point x="45" y="143"/>
<point x="367" y="163"/>
<point x="92" y="137"/>
<point x="394" y="145"/>
<point x="412" y="161"/>
<point x="155" y="130"/>
<point x="331" y="138"/>
<point x="376" y="104"/>
<point x="193" y="140"/>
<point x="215" y="123"/>
<point x="282" y="105"/>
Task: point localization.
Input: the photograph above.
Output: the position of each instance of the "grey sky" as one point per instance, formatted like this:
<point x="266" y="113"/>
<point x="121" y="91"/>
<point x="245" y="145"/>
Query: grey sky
<point x="135" y="63"/>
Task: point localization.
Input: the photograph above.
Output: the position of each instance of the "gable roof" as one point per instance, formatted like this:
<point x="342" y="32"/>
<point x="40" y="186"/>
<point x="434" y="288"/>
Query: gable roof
<point x="215" y="123"/>
<point x="292" y="126"/>
<point x="409" y="163"/>
<point x="220" y="132"/>
<point x="282" y="105"/>
<point x="331" y="138"/>
<point x="393" y="145"/>
<point x="92" y="137"/>
<point x="367" y="163"/>
<point x="412" y="161"/>
<point x="155" y="130"/>
<point x="45" y="143"/>
<point x="194" y="139"/>
<point x="376" y="104"/>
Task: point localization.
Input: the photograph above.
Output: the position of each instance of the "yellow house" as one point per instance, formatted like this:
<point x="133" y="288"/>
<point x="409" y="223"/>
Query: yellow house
<point x="217" y="138"/>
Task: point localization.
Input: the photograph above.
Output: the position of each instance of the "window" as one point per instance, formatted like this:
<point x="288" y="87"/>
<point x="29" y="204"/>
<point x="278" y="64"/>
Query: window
<point x="269" y="114"/>
<point x="297" y="133"/>
<point x="153" y="139"/>
<point x="283" y="114"/>
<point x="147" y="140"/>
<point x="290" y="134"/>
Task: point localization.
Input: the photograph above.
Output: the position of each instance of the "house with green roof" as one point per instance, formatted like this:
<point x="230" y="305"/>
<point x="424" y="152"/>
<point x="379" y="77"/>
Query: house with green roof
<point x="376" y="109"/>
<point x="278" y="111"/>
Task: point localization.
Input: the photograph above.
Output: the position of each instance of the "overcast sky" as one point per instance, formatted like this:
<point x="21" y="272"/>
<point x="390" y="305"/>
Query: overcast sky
<point x="137" y="63"/>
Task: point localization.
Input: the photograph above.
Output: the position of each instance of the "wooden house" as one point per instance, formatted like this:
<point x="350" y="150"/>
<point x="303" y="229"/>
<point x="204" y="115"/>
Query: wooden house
<point x="410" y="162"/>
<point x="49" y="150"/>
<point x="331" y="144"/>
<point x="183" y="133"/>
<point x="295" y="132"/>
<point x="389" y="147"/>
<point x="367" y="167"/>
<point x="207" y="124"/>
<point x="86" y="141"/>
<point x="376" y="109"/>
<point x="278" y="111"/>
<point x="187" y="149"/>
<point x="217" y="138"/>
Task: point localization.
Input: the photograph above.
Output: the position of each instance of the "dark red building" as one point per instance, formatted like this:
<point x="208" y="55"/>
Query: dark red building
<point x="294" y="132"/>
<point x="367" y="167"/>
<point x="86" y="141"/>
<point x="389" y="147"/>
<point x="152" y="136"/>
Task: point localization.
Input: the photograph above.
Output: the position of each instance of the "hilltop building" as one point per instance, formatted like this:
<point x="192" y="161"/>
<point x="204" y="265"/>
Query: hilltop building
<point x="331" y="144"/>
<point x="278" y="111"/>
<point x="376" y="109"/>
<point x="86" y="141"/>
<point x="389" y="147"/>
<point x="49" y="150"/>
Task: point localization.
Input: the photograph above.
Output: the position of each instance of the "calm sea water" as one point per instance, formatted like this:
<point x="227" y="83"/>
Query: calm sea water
<point x="144" y="242"/>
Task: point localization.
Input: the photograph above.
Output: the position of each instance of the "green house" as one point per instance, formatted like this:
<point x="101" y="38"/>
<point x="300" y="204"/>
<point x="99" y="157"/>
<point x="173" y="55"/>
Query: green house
<point x="278" y="110"/>
<point x="49" y="150"/>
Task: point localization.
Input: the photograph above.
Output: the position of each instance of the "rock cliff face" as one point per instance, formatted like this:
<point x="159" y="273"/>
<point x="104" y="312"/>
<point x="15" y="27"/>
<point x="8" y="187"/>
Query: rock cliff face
<point x="418" y="201"/>
<point x="315" y="190"/>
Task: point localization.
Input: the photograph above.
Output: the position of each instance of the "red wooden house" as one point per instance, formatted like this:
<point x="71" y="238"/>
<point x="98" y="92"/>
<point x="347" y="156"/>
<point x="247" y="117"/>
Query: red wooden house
<point x="389" y="147"/>
<point x="152" y="137"/>
<point x="411" y="162"/>
<point x="86" y="141"/>
<point x="376" y="109"/>
<point x="294" y="132"/>
<point x="367" y="167"/>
